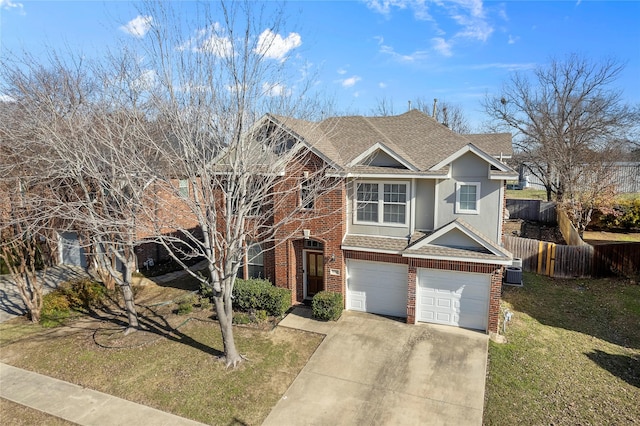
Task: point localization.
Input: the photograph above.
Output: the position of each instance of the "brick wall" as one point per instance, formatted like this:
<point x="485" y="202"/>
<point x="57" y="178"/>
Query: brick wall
<point x="326" y="223"/>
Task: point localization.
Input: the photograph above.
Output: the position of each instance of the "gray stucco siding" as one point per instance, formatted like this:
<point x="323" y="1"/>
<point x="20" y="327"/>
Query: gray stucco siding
<point x="425" y="202"/>
<point x="471" y="169"/>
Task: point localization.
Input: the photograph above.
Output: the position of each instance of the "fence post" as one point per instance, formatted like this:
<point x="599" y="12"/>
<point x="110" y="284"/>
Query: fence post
<point x="540" y="251"/>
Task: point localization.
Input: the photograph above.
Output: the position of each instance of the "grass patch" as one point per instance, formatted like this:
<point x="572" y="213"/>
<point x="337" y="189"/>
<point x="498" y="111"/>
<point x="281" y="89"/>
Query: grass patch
<point x="527" y="194"/>
<point x="25" y="416"/>
<point x="607" y="237"/>
<point x="171" y="366"/>
<point x="572" y="357"/>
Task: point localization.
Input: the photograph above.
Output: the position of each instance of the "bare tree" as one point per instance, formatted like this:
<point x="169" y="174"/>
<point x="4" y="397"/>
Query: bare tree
<point x="451" y="115"/>
<point x="89" y="144"/>
<point x="564" y="115"/>
<point x="231" y="170"/>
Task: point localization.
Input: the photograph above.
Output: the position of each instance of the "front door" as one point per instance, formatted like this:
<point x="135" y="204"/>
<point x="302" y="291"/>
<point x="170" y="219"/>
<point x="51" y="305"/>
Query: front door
<point x="315" y="272"/>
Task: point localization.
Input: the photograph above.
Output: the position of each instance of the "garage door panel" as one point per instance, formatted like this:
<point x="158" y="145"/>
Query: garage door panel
<point x="453" y="298"/>
<point x="377" y="287"/>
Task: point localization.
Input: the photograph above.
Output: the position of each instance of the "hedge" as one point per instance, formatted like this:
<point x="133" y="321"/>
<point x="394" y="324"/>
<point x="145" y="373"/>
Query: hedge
<point x="258" y="294"/>
<point x="327" y="305"/>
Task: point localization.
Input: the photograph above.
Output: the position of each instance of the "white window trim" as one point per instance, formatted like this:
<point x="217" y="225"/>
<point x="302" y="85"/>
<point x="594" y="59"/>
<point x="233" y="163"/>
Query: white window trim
<point x="460" y="210"/>
<point x="380" y="222"/>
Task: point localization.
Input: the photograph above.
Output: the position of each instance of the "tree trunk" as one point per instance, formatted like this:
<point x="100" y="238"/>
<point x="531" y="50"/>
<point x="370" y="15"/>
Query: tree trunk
<point x="225" y="318"/>
<point x="129" y="303"/>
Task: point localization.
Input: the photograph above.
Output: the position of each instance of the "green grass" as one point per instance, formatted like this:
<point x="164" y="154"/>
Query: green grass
<point x="173" y="366"/>
<point x="572" y="357"/>
<point x="527" y="194"/>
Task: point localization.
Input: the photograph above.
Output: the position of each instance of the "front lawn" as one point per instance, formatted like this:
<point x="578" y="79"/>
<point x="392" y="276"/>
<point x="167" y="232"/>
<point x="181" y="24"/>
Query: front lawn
<point x="172" y="365"/>
<point x="572" y="357"/>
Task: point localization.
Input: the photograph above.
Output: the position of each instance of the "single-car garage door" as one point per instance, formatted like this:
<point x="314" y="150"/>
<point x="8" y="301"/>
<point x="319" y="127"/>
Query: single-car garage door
<point x="377" y="287"/>
<point x="453" y="298"/>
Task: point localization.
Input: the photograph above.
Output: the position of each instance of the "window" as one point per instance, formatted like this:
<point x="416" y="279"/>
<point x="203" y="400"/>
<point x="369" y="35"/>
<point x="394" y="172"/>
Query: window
<point x="254" y="262"/>
<point x="381" y="203"/>
<point x="395" y="203"/>
<point x="183" y="187"/>
<point x="468" y="197"/>
<point x="306" y="195"/>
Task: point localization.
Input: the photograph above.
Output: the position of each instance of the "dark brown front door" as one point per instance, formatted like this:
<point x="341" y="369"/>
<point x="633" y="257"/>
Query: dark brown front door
<point x="315" y="272"/>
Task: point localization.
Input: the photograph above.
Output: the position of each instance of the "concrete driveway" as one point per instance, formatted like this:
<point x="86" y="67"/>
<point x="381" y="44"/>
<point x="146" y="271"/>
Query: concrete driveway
<point x="372" y="370"/>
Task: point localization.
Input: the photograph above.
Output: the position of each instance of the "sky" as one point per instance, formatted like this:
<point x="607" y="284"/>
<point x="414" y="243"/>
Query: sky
<point x="363" y="52"/>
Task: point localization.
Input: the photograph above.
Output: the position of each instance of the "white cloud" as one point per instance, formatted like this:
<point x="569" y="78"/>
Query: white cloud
<point x="146" y="80"/>
<point x="210" y="40"/>
<point x="341" y="71"/>
<point x="382" y="85"/>
<point x="6" y="98"/>
<point x="513" y="39"/>
<point x="419" y="7"/>
<point x="412" y="57"/>
<point x="274" y="46"/>
<point x="138" y="26"/>
<point x="9" y="5"/>
<point x="349" y="82"/>
<point x="441" y="46"/>
<point x="275" y="89"/>
<point x="506" y="66"/>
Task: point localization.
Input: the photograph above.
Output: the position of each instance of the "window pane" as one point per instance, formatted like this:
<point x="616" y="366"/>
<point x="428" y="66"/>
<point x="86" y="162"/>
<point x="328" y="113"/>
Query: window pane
<point x="395" y="193"/>
<point x="367" y="212"/>
<point x="312" y="265"/>
<point x="320" y="266"/>
<point x="468" y="197"/>
<point x="394" y="213"/>
<point x="367" y="192"/>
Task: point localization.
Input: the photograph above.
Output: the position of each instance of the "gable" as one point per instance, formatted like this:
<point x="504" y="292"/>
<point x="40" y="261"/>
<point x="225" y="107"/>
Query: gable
<point x="381" y="155"/>
<point x="459" y="235"/>
<point x="455" y="238"/>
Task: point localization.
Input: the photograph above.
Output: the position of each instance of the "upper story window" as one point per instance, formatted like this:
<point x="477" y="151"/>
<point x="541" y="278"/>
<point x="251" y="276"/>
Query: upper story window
<point x="468" y="197"/>
<point x="383" y="203"/>
<point x="183" y="187"/>
<point x="306" y="195"/>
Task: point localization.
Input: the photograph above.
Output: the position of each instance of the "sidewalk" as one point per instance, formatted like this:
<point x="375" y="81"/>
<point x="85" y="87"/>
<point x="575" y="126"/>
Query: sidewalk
<point x="77" y="404"/>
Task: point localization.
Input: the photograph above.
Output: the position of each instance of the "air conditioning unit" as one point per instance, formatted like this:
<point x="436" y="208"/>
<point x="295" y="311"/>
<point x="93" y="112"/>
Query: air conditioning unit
<point x="513" y="276"/>
<point x="516" y="262"/>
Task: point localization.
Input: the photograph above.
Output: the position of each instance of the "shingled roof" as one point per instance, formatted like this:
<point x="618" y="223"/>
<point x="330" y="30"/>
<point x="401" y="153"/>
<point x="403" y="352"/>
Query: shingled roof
<point x="414" y="136"/>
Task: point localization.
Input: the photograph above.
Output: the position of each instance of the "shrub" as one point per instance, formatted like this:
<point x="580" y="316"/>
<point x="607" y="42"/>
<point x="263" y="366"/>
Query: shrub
<point x="55" y="309"/>
<point x="241" y="318"/>
<point x="205" y="303"/>
<point x="624" y="215"/>
<point x="185" y="303"/>
<point x="327" y="305"/>
<point x="258" y="294"/>
<point x="83" y="293"/>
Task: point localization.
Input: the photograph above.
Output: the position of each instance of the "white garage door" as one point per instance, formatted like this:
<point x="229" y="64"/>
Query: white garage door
<point x="376" y="287"/>
<point x="453" y="298"/>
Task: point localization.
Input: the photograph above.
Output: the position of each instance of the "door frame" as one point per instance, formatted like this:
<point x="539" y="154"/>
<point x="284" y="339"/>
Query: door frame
<point x="304" y="267"/>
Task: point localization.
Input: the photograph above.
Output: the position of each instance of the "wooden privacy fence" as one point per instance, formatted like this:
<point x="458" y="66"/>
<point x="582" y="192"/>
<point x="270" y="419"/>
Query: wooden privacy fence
<point x="535" y="210"/>
<point x="551" y="259"/>
<point x="560" y="261"/>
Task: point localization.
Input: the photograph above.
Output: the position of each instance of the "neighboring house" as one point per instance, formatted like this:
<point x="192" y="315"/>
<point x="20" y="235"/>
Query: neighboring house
<point x="416" y="228"/>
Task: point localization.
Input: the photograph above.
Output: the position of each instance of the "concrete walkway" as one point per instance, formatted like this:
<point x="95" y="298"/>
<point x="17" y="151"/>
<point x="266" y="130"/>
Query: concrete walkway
<point x="77" y="404"/>
<point x="372" y="370"/>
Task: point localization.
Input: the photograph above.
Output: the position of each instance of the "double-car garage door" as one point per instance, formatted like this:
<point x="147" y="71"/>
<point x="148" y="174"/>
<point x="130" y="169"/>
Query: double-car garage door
<point x="443" y="297"/>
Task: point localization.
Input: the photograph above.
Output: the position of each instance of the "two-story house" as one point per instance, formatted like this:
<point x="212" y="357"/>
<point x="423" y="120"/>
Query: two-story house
<point x="416" y="223"/>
